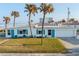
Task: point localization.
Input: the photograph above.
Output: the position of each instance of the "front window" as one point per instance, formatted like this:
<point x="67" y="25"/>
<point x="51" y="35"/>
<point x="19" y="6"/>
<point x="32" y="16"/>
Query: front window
<point x="49" y="32"/>
<point x="23" y="31"/>
<point x="40" y="31"/>
<point x="9" y="32"/>
<point x="20" y="32"/>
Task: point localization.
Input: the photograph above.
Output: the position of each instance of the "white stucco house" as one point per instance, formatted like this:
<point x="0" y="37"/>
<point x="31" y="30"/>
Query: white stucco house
<point x="54" y="29"/>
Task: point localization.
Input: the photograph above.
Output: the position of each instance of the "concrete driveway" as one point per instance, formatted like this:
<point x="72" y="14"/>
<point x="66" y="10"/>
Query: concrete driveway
<point x="72" y="44"/>
<point x="71" y="40"/>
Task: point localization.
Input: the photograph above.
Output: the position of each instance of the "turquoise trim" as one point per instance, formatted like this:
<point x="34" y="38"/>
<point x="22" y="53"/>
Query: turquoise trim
<point x="53" y="33"/>
<point x="12" y="33"/>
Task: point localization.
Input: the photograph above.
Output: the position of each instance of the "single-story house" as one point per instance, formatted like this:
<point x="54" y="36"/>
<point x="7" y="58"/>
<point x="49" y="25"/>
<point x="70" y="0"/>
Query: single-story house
<point x="50" y="30"/>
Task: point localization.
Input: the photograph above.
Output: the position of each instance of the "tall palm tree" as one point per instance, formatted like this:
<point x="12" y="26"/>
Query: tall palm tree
<point x="31" y="9"/>
<point x="6" y="20"/>
<point x="45" y="8"/>
<point x="15" y="14"/>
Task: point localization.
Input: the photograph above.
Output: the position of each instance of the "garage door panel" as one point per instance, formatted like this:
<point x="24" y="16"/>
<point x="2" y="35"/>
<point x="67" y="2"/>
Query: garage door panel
<point x="64" y="33"/>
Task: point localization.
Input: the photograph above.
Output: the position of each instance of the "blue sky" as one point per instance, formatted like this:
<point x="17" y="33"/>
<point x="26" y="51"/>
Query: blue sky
<point x="60" y="12"/>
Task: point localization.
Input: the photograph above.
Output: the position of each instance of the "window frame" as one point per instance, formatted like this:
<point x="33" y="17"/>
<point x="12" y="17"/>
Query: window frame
<point x="40" y="31"/>
<point x="9" y="32"/>
<point x="49" y="32"/>
<point x="23" y="31"/>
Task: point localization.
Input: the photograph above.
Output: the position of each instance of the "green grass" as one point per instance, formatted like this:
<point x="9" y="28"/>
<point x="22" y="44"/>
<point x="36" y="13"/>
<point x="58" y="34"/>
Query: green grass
<point x="32" y="45"/>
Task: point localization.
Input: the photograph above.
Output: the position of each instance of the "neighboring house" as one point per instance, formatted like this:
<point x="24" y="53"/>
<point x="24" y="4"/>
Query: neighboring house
<point x="55" y="29"/>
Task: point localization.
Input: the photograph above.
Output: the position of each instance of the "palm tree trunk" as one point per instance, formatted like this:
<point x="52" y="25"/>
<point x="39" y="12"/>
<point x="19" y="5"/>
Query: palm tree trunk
<point x="42" y="28"/>
<point x="30" y="25"/>
<point x="14" y="22"/>
<point x="14" y="27"/>
<point x="6" y="31"/>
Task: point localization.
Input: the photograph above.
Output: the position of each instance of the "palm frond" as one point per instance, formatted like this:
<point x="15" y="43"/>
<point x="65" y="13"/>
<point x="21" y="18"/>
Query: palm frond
<point x="15" y="13"/>
<point x="6" y="19"/>
<point x="25" y="10"/>
<point x="30" y="8"/>
<point x="27" y="14"/>
<point x="46" y="8"/>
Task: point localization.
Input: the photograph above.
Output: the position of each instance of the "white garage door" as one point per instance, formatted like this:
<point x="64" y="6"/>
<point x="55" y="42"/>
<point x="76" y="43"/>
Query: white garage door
<point x="64" y="33"/>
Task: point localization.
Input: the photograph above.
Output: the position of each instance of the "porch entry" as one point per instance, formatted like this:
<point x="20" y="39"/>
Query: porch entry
<point x="51" y="33"/>
<point x="12" y="33"/>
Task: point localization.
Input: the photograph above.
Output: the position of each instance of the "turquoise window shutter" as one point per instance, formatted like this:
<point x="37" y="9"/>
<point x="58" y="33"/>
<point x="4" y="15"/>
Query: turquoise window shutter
<point x="53" y="33"/>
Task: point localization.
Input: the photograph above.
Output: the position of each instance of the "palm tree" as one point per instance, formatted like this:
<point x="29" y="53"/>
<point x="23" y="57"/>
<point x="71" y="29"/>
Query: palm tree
<point x="45" y="8"/>
<point x="31" y="9"/>
<point x="6" y="20"/>
<point x="15" y="14"/>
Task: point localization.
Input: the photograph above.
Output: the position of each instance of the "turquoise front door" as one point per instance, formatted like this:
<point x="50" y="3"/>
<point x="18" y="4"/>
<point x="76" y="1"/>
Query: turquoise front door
<point x="12" y="33"/>
<point x="53" y="33"/>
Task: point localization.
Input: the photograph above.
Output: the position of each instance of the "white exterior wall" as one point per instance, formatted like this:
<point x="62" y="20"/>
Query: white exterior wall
<point x="33" y="32"/>
<point x="7" y="36"/>
<point x="37" y="35"/>
<point x="65" y="32"/>
<point x="46" y="32"/>
<point x="20" y="35"/>
<point x="29" y="33"/>
<point x="15" y="32"/>
<point x="77" y="37"/>
<point x="59" y="32"/>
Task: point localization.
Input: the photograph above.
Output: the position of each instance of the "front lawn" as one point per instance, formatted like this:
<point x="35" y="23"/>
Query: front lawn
<point x="1" y="40"/>
<point x="32" y="45"/>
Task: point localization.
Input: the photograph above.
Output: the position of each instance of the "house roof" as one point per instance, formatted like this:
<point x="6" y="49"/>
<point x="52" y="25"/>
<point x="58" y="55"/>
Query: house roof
<point x="71" y="23"/>
<point x="47" y="24"/>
